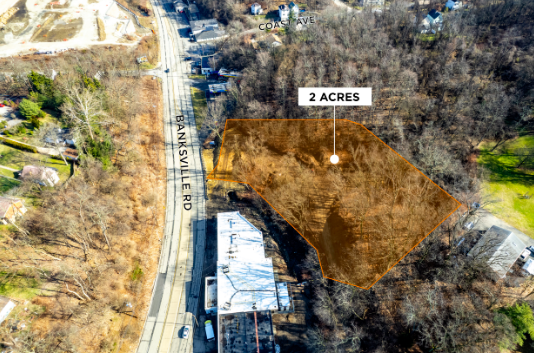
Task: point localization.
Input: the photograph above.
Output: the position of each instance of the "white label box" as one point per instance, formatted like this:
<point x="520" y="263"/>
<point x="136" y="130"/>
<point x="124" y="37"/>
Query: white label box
<point x="347" y="96"/>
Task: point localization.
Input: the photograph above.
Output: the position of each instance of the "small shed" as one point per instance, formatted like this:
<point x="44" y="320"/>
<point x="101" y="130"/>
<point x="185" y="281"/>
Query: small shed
<point x="529" y="266"/>
<point x="284" y="299"/>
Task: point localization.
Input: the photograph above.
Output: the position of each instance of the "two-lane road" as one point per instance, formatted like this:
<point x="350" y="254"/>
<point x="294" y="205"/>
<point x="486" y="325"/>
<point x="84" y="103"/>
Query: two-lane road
<point x="176" y="291"/>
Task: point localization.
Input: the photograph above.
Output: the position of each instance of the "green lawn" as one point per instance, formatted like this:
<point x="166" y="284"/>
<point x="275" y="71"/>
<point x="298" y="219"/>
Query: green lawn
<point x="17" y="159"/>
<point x="197" y="77"/>
<point x="200" y="105"/>
<point x="18" y="285"/>
<point x="7" y="184"/>
<point x="271" y="15"/>
<point x="508" y="183"/>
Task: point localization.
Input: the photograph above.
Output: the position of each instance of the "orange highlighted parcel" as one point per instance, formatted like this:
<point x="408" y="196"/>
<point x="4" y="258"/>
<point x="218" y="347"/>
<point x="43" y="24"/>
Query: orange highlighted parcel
<point x="361" y="215"/>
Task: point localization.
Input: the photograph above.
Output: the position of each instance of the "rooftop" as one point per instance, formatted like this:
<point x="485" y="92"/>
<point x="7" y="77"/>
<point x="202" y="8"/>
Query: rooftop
<point x="219" y="87"/>
<point x="203" y="23"/>
<point x="238" y="239"/>
<point x="242" y="332"/>
<point x="501" y="247"/>
<point x="245" y="277"/>
<point x="211" y="292"/>
<point x="210" y="35"/>
<point x="434" y="13"/>
<point x="246" y="286"/>
<point x="5" y="203"/>
<point x="283" y="295"/>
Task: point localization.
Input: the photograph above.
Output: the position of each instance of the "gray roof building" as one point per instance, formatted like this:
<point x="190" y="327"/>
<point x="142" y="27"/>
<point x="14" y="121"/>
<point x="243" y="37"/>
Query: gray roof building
<point x="204" y="25"/>
<point x="500" y="247"/>
<point x="210" y="35"/>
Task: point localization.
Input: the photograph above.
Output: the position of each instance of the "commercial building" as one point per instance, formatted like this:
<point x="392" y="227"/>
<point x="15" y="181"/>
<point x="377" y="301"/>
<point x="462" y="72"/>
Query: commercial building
<point x="244" y="292"/>
<point x="198" y="27"/>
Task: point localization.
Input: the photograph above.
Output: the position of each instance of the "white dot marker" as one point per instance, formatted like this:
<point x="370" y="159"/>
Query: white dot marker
<point x="334" y="159"/>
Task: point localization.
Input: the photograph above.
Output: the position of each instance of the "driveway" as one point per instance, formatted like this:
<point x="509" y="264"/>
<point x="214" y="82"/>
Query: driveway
<point x="486" y="220"/>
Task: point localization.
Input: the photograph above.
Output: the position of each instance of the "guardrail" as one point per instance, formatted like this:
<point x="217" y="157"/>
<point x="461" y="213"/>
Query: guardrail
<point x="134" y="15"/>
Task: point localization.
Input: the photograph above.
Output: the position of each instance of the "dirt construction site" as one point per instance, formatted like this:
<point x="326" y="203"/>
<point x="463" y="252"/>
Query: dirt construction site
<point x="45" y="27"/>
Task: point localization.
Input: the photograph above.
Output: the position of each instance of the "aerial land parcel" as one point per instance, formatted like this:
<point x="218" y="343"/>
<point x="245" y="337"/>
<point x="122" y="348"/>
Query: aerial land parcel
<point x="362" y="215"/>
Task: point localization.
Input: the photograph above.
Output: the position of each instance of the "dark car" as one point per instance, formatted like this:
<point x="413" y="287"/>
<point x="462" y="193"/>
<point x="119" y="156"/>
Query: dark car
<point x="167" y="70"/>
<point x="188" y="58"/>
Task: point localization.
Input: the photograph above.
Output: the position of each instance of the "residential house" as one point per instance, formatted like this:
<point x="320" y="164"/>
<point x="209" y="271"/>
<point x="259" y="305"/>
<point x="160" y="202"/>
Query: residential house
<point x="500" y="248"/>
<point x="452" y="5"/>
<point x="283" y="12"/>
<point x="435" y="20"/>
<point x="256" y="9"/>
<point x="293" y="10"/>
<point x="44" y="176"/>
<point x="205" y="68"/>
<point x="10" y="209"/>
<point x="198" y="27"/>
<point x="6" y="305"/>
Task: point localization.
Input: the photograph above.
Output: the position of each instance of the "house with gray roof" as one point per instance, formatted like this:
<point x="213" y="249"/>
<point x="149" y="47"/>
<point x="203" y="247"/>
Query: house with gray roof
<point x="500" y="248"/>
<point x="200" y="26"/>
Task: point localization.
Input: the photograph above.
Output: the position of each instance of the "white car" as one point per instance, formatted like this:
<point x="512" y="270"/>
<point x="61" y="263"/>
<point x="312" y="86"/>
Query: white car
<point x="185" y="332"/>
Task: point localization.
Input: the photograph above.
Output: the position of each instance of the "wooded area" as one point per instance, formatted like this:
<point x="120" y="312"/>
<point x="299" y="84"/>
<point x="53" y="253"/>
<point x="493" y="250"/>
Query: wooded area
<point x="90" y="245"/>
<point x="435" y="101"/>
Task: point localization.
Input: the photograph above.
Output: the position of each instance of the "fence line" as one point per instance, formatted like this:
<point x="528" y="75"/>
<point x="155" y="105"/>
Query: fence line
<point x="134" y="15"/>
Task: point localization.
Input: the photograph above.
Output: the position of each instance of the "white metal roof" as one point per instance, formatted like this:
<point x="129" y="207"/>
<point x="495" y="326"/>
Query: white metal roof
<point x="238" y="239"/>
<point x="246" y="286"/>
<point x="210" y="293"/>
<point x="283" y="294"/>
<point x="245" y="278"/>
<point x="529" y="266"/>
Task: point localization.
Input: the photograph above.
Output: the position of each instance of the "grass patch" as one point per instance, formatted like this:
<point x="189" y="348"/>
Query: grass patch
<point x="200" y="105"/>
<point x="137" y="273"/>
<point x="427" y="37"/>
<point x="17" y="159"/>
<point x="146" y="66"/>
<point x="271" y="15"/>
<point x="197" y="77"/>
<point x="509" y="181"/>
<point x="7" y="184"/>
<point x="19" y="285"/>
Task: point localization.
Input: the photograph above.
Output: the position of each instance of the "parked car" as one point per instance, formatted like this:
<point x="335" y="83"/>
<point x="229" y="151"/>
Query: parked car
<point x="185" y="332"/>
<point x="525" y="254"/>
<point x="2" y="105"/>
<point x="167" y="70"/>
<point x="188" y="58"/>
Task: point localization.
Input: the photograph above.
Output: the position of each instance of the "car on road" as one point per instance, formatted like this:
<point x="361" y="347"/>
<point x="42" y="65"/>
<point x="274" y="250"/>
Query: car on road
<point x="185" y="332"/>
<point x="2" y="105"/>
<point x="167" y="70"/>
<point x="188" y="58"/>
